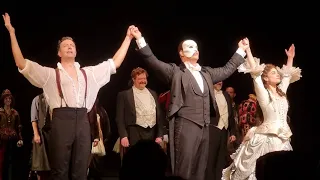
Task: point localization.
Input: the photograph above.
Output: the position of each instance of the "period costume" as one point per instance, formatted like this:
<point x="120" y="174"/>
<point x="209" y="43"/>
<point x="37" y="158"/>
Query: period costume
<point x="40" y="114"/>
<point x="69" y="102"/>
<point x="250" y="115"/>
<point x="98" y="164"/>
<point x="10" y="134"/>
<point x="273" y="134"/>
<point x="233" y="146"/>
<point x="190" y="108"/>
<point x="217" y="159"/>
<point x="139" y="116"/>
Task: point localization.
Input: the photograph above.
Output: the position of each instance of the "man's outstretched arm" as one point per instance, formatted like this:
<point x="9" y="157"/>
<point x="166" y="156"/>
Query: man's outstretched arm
<point x="36" y="74"/>
<point x="16" y="51"/>
<point x="122" y="51"/>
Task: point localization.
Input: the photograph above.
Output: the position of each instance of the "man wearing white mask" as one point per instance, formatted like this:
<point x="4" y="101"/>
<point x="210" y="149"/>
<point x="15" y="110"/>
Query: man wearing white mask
<point x="191" y="104"/>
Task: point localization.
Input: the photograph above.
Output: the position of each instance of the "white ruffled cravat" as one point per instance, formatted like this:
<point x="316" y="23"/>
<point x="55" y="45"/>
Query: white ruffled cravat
<point x="197" y="67"/>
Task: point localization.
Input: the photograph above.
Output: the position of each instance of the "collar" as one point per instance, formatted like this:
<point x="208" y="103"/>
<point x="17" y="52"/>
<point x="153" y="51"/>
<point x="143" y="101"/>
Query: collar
<point x="191" y="67"/>
<point x="76" y="64"/>
<point x="217" y="92"/>
<point x="139" y="90"/>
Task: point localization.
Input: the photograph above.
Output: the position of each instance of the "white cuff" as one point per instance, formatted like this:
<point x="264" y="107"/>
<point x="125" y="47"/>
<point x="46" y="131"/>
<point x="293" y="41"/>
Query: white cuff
<point x="113" y="68"/>
<point x="241" y="52"/>
<point x="141" y="42"/>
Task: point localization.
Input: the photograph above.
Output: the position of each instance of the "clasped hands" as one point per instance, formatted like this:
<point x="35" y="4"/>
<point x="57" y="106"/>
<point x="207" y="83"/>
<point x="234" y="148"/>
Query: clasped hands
<point x="133" y="32"/>
<point x="125" y="141"/>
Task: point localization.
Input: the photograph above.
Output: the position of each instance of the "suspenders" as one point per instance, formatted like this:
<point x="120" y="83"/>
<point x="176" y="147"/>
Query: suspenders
<point x="58" y="79"/>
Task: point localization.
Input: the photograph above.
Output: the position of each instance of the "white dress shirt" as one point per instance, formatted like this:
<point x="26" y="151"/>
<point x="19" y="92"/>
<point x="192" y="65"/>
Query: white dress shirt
<point x="223" y="109"/>
<point x="74" y="94"/>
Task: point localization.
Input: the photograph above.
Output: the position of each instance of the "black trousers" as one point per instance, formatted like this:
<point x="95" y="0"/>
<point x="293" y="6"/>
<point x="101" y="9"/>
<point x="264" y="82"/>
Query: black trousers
<point x="217" y="153"/>
<point x="137" y="133"/>
<point x="191" y="149"/>
<point x="69" y="144"/>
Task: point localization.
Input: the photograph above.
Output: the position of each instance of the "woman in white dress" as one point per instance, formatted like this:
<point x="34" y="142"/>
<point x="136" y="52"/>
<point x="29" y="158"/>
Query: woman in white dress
<point x="270" y="85"/>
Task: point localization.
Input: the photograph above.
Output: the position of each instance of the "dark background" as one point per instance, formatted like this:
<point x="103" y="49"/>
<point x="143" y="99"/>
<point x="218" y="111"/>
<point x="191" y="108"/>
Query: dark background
<point x="99" y="30"/>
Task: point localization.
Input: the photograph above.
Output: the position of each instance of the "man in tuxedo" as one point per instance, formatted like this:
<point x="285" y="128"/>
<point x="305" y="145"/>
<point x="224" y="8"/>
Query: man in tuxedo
<point x="192" y="95"/>
<point x="219" y="133"/>
<point x="139" y="116"/>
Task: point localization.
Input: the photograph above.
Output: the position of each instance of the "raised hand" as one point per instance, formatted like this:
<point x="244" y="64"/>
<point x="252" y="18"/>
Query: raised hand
<point x="136" y="33"/>
<point x="129" y="34"/>
<point x="7" y="22"/>
<point x="244" y="44"/>
<point x="291" y="52"/>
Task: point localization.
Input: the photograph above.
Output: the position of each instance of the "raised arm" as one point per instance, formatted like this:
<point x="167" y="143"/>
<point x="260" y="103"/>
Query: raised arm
<point x="36" y="74"/>
<point x="122" y="51"/>
<point x="163" y="71"/>
<point x="252" y="66"/>
<point x="17" y="54"/>
<point x="222" y="73"/>
<point x="103" y="71"/>
<point x="289" y="73"/>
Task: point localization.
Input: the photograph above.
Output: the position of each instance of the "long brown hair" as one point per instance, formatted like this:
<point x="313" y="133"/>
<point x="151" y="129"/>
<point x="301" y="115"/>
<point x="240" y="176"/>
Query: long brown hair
<point x="265" y="72"/>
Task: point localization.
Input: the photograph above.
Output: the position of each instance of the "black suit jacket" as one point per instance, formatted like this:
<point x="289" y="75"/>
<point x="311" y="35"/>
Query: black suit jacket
<point x="178" y="78"/>
<point x="126" y="112"/>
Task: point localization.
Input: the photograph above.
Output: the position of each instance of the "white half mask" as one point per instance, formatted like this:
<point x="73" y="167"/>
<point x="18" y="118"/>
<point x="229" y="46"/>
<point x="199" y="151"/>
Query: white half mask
<point x="189" y="47"/>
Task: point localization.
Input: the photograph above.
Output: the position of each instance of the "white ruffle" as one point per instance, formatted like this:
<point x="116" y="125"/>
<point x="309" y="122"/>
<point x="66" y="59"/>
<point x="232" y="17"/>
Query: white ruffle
<point x="293" y="72"/>
<point x="245" y="157"/>
<point x="257" y="70"/>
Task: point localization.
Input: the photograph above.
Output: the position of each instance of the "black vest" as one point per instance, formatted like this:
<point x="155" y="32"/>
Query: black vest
<point x="196" y="107"/>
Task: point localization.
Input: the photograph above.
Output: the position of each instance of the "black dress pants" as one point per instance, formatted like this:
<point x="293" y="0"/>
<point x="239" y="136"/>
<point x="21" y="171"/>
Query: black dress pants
<point x="69" y="144"/>
<point x="191" y="149"/>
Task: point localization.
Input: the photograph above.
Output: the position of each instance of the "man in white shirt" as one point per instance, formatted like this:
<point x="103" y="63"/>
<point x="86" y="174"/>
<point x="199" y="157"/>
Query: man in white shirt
<point x="70" y="93"/>
<point x="139" y="116"/>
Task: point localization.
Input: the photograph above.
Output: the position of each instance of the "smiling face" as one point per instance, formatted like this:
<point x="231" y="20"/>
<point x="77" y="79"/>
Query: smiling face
<point x="139" y="77"/>
<point x="7" y="101"/>
<point x="271" y="76"/>
<point x="140" y="81"/>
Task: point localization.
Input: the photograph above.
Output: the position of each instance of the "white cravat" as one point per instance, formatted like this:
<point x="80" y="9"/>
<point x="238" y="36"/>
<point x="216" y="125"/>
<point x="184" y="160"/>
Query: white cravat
<point x="195" y="71"/>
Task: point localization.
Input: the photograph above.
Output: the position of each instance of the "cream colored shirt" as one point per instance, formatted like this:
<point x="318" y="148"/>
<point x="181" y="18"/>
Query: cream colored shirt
<point x="223" y="109"/>
<point x="74" y="94"/>
<point x="145" y="107"/>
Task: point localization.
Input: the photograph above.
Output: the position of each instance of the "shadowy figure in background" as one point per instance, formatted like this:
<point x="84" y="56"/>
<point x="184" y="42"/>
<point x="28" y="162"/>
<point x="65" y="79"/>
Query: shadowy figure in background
<point x="10" y="136"/>
<point x="97" y="163"/>
<point x="145" y="160"/>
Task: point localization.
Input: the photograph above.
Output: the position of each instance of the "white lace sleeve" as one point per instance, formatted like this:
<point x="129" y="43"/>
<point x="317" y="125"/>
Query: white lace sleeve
<point x="289" y="75"/>
<point x="260" y="90"/>
<point x="255" y="71"/>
